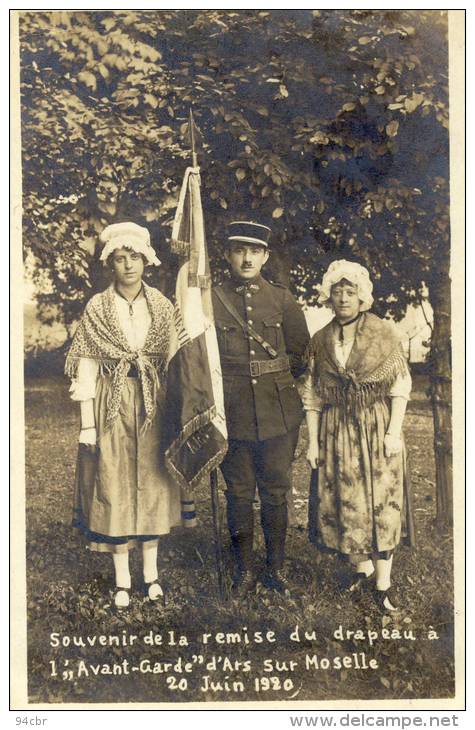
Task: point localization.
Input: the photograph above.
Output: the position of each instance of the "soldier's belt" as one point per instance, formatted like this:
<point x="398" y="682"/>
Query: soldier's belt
<point x="254" y="368"/>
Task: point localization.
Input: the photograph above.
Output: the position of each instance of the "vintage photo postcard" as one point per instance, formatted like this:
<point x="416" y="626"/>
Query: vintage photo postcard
<point x="237" y="373"/>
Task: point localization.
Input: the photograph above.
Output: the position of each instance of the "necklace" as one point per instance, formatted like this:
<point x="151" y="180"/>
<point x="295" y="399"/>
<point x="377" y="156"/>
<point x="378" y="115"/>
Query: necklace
<point x="344" y="324"/>
<point x="131" y="301"/>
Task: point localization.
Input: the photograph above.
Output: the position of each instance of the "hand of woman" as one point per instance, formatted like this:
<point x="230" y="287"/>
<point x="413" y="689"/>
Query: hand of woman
<point x="392" y="445"/>
<point x="313" y="454"/>
<point x="88" y="436"/>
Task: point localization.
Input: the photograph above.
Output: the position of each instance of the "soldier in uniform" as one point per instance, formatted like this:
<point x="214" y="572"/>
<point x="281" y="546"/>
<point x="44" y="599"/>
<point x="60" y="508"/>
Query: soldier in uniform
<point x="262" y="336"/>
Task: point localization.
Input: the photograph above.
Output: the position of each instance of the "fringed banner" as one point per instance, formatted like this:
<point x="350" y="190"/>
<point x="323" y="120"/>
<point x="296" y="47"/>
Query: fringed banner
<point x="195" y="434"/>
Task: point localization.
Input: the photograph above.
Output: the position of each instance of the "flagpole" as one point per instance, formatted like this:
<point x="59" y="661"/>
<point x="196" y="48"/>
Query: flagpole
<point x="194" y="156"/>
<point x="213" y="477"/>
<point x="218" y="548"/>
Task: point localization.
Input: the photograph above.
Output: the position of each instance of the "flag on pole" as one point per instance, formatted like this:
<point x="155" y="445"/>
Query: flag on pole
<point x="195" y="431"/>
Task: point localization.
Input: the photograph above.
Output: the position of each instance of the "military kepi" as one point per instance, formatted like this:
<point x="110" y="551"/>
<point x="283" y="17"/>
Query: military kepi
<point x="249" y="232"/>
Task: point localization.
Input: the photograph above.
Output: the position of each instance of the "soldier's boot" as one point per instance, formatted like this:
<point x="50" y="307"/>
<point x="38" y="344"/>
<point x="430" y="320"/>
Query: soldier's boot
<point x="244" y="584"/>
<point x="274" y="525"/>
<point x="241" y="528"/>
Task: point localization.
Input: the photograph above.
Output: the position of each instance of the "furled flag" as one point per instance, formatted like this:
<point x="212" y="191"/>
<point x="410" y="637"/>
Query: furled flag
<point x="195" y="431"/>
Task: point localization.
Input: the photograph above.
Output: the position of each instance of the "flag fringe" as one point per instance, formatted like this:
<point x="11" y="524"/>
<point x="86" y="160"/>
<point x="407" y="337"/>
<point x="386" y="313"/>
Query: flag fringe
<point x="193" y="425"/>
<point x="188" y="486"/>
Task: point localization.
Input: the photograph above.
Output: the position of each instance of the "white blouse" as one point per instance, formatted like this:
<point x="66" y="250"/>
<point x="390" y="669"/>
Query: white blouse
<point x="401" y="387"/>
<point x="134" y="320"/>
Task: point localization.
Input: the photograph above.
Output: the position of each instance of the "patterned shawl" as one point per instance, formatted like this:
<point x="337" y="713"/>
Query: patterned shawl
<point x="375" y="361"/>
<point x="100" y="337"/>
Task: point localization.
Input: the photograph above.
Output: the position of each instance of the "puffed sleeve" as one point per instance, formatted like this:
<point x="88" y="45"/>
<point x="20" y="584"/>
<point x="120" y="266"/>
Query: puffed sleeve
<point x="401" y="387"/>
<point x="83" y="387"/>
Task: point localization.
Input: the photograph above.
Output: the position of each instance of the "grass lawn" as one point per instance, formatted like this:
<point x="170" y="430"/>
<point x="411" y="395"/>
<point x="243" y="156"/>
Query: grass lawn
<point x="68" y="595"/>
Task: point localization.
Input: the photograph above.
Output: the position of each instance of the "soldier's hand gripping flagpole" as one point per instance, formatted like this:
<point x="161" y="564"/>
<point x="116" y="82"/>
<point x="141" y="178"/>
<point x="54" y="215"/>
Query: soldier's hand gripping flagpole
<point x="196" y="437"/>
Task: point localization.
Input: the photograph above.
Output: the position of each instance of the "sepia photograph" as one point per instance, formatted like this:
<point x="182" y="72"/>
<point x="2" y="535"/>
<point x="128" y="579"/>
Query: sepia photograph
<point x="239" y="274"/>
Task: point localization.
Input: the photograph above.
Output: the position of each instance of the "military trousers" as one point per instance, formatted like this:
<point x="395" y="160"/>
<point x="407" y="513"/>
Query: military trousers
<point x="267" y="466"/>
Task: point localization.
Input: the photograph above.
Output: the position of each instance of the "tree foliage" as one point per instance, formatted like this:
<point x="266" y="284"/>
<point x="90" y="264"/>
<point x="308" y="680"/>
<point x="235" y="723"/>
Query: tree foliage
<point x="330" y="125"/>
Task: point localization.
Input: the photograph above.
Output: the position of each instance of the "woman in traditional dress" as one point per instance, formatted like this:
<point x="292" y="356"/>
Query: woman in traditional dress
<point x="355" y="398"/>
<point x="117" y="362"/>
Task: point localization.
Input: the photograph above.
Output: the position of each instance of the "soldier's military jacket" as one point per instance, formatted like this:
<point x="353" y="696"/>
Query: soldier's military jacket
<point x="260" y="406"/>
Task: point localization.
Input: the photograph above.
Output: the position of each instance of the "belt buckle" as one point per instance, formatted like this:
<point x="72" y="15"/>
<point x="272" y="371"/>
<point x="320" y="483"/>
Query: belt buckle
<point x="254" y="367"/>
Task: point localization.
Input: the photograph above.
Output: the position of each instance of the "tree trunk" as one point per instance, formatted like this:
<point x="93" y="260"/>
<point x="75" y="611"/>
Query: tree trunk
<point x="441" y="397"/>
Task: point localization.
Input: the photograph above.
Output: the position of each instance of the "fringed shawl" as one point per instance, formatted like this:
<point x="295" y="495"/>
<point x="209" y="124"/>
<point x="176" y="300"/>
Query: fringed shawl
<point x="100" y="337"/>
<point x="375" y="361"/>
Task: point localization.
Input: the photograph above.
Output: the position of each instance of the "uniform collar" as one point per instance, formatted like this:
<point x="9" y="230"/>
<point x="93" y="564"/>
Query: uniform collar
<point x="240" y="286"/>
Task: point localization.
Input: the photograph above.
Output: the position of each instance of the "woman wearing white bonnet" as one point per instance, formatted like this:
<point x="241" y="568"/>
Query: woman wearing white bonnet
<point x="117" y="362"/>
<point x="355" y="398"/>
<point x="352" y="272"/>
<point x="128" y="235"/>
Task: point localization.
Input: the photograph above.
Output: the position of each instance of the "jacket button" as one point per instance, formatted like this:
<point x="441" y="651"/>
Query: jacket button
<point x="254" y="381"/>
<point x="252" y="352"/>
<point x="278" y="324"/>
<point x="250" y="321"/>
<point x="249" y="309"/>
<point x="248" y="295"/>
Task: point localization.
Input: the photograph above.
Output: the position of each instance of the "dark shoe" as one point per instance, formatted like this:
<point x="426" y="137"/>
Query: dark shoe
<point x="357" y="582"/>
<point x="276" y="581"/>
<point x="243" y="585"/>
<point x="386" y="600"/>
